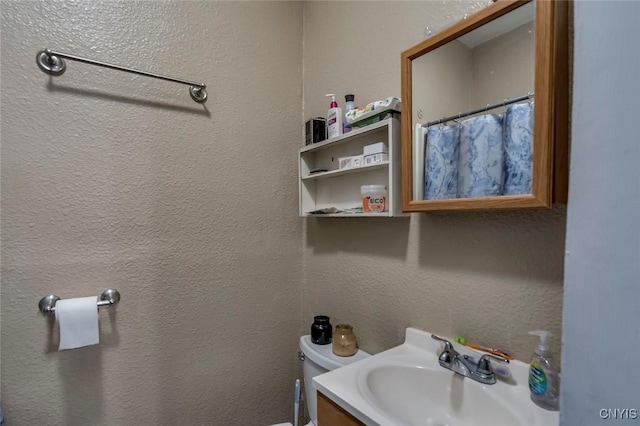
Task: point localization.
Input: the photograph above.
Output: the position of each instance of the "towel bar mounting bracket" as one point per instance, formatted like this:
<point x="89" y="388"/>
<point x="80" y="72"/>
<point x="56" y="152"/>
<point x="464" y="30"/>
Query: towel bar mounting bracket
<point x="51" y="64"/>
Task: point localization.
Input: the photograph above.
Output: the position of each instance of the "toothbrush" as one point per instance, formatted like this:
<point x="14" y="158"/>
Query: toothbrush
<point x="463" y="341"/>
<point x="296" y="402"/>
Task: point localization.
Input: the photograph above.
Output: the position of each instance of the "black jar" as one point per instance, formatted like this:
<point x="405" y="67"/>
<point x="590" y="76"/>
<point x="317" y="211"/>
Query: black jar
<point x="321" y="330"/>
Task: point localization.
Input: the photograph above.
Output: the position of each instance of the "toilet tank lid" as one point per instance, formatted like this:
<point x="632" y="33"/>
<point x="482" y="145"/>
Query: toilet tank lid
<point x="324" y="357"/>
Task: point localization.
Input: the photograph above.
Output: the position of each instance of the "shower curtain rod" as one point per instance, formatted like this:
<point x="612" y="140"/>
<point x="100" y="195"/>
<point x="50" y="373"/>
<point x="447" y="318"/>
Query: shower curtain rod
<point x="487" y="108"/>
<point x="52" y="63"/>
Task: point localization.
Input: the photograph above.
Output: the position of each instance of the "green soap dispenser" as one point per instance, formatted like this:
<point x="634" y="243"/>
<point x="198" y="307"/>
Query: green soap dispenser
<point x="543" y="376"/>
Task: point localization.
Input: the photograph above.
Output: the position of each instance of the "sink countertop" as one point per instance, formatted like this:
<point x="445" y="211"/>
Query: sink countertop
<point x="344" y="385"/>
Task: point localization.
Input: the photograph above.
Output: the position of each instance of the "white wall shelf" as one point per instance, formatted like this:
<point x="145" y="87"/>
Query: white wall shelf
<point x="385" y="214"/>
<point x="347" y="137"/>
<point x="334" y="173"/>
<point x="340" y="188"/>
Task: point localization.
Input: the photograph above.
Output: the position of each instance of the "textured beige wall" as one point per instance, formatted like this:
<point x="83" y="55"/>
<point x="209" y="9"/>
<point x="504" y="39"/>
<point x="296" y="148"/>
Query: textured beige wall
<point x="490" y="276"/>
<point x="115" y="180"/>
<point x="442" y="82"/>
<point x="504" y="67"/>
<point x="455" y="78"/>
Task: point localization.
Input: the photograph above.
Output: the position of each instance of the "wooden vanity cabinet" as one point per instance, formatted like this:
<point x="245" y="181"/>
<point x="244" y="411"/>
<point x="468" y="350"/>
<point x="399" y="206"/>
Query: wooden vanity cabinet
<point x="331" y="414"/>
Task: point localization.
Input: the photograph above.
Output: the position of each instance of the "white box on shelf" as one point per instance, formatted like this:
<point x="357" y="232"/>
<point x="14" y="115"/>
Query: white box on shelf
<point x="376" y="158"/>
<point x="350" y="162"/>
<point x="375" y="148"/>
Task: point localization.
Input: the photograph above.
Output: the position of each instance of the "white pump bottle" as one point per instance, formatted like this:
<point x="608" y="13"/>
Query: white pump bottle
<point x="334" y="118"/>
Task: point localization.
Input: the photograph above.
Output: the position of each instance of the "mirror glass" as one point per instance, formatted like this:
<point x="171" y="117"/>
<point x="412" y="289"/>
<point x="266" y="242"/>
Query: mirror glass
<point x="460" y="81"/>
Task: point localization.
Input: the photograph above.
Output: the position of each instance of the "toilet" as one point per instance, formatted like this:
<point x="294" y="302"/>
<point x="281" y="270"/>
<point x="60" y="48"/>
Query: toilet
<point x="319" y="359"/>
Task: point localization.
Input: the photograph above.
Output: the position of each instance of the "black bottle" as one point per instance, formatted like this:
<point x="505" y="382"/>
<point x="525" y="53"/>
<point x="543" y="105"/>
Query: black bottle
<point x="321" y="330"/>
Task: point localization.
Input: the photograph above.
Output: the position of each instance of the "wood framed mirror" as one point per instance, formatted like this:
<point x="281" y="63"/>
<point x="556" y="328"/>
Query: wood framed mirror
<point x="471" y="83"/>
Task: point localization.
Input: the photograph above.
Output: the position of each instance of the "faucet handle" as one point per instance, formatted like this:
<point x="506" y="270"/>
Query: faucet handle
<point x="484" y="366"/>
<point x="448" y="346"/>
<point x="449" y="354"/>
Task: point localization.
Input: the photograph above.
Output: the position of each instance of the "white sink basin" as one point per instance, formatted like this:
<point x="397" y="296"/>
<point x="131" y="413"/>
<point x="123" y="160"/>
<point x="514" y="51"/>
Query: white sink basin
<point x="406" y="386"/>
<point x="416" y="395"/>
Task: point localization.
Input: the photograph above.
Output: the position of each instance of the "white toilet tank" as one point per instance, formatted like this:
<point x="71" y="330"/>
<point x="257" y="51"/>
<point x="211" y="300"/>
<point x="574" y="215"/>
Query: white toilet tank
<point x="319" y="359"/>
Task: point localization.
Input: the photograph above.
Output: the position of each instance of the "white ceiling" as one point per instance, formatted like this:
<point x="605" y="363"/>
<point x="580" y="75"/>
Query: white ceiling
<point x="502" y="25"/>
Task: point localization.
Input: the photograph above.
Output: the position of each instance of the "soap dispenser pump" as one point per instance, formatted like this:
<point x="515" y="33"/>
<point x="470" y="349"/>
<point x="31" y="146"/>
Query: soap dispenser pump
<point x="334" y="118"/>
<point x="543" y="376"/>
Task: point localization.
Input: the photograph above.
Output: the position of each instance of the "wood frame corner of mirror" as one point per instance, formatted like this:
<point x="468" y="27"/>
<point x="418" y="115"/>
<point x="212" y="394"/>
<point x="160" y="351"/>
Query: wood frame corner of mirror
<point x="550" y="146"/>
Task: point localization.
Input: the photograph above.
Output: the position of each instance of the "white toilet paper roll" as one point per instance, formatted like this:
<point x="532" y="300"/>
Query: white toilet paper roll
<point x="78" y="322"/>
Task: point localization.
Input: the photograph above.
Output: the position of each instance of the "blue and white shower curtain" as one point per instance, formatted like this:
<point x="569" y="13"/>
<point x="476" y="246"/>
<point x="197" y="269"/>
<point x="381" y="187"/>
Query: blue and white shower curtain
<point x="518" y="149"/>
<point x="480" y="163"/>
<point x="441" y="162"/>
<point x="483" y="156"/>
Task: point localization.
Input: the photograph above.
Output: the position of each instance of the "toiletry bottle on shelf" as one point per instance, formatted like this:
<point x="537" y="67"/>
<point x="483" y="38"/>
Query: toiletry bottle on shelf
<point x="348" y="107"/>
<point x="543" y="376"/>
<point x="334" y="118"/>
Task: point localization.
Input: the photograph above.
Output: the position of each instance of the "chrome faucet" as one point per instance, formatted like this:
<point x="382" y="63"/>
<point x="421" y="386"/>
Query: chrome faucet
<point x="465" y="366"/>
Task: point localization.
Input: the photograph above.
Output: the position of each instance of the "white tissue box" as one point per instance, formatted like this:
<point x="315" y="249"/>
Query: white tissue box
<point x="375" y="148"/>
<point x="376" y="158"/>
<point x="350" y="162"/>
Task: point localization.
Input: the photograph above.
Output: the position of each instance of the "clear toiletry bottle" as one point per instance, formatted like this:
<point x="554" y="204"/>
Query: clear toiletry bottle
<point x="543" y="376"/>
<point x="348" y="107"/>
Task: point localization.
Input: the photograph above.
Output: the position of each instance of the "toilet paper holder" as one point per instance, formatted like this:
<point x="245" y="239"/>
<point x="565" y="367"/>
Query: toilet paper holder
<point x="109" y="297"/>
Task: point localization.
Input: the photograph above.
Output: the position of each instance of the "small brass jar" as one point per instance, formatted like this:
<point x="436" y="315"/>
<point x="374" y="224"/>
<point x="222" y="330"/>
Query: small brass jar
<point x="344" y="341"/>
